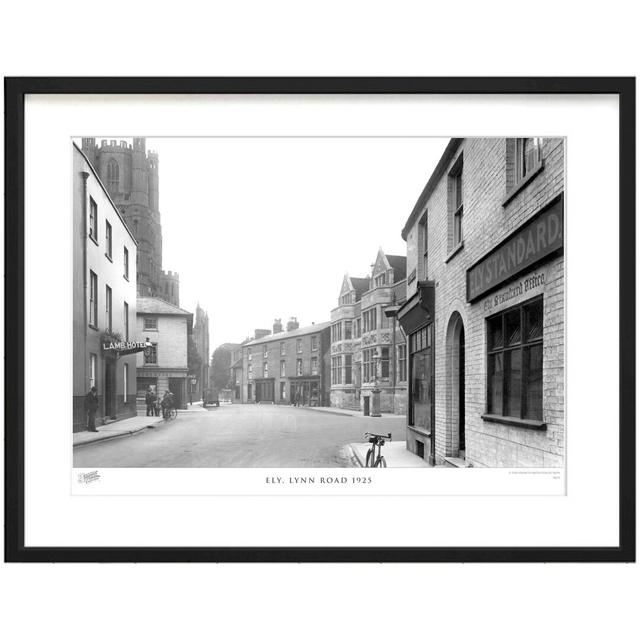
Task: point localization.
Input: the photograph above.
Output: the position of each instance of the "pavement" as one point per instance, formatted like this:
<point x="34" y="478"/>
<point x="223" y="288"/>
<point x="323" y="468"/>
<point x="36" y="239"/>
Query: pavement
<point x="126" y="427"/>
<point x="395" y="454"/>
<point x="353" y="414"/>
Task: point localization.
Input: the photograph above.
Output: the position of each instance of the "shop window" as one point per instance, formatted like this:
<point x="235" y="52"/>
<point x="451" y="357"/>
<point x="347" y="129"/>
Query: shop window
<point x="150" y="324"/>
<point x="514" y="362"/>
<point x="151" y="354"/>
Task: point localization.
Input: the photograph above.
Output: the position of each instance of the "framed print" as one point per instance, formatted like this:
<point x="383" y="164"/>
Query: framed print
<point x="320" y="319"/>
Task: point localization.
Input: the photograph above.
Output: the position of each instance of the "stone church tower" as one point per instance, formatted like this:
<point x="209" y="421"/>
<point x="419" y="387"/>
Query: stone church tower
<point x="130" y="174"/>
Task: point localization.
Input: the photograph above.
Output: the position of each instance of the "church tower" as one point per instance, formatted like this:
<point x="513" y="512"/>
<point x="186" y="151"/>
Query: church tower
<point x="130" y="174"/>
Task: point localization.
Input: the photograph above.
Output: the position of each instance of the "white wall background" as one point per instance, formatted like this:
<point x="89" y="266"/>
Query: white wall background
<point x="289" y="38"/>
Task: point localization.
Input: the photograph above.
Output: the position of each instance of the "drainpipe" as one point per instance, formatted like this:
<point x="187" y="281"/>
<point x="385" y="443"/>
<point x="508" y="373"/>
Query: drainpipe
<point x="85" y="176"/>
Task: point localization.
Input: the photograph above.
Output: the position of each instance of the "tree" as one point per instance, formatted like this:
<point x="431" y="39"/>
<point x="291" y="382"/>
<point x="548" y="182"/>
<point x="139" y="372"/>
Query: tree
<point x="220" y="367"/>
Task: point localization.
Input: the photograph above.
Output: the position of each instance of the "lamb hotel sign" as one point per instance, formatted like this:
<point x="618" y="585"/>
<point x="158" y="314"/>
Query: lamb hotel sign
<point x="537" y="239"/>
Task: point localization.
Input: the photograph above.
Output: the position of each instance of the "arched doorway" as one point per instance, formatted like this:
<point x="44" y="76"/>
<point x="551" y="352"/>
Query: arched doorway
<point x="456" y="435"/>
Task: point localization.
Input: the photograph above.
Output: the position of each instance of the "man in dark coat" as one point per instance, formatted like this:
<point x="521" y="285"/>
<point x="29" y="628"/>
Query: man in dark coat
<point x="91" y="406"/>
<point x="150" y="399"/>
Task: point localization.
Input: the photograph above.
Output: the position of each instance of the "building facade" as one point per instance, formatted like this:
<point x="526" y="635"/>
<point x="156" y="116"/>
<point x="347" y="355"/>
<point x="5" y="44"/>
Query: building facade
<point x="368" y="349"/>
<point x="104" y="300"/>
<point x="130" y="174"/>
<point x="484" y="313"/>
<point x="164" y="364"/>
<point x="288" y="366"/>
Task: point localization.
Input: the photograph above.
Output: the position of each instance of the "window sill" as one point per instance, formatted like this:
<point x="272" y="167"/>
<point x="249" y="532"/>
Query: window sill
<point x="126" y="278"/>
<point x="454" y="252"/>
<point x="94" y="240"/>
<point x="517" y="188"/>
<point x="515" y="422"/>
<point x="422" y="432"/>
<point x="108" y="257"/>
<point x="94" y="327"/>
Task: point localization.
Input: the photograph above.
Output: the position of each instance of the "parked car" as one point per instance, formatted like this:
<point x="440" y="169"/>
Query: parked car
<point x="210" y="396"/>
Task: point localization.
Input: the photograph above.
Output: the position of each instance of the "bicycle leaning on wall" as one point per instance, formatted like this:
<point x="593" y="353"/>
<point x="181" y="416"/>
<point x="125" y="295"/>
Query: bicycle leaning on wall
<point x="376" y="440"/>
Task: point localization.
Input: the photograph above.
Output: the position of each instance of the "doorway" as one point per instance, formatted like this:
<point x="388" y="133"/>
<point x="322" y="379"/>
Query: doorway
<point x="110" y="390"/>
<point x="456" y="387"/>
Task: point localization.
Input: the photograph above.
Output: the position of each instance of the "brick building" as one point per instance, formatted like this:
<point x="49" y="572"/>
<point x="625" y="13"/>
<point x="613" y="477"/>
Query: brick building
<point x="130" y="174"/>
<point x="287" y="366"/>
<point x="368" y="348"/>
<point x="484" y="313"/>
<point x="164" y="365"/>
<point x="104" y="300"/>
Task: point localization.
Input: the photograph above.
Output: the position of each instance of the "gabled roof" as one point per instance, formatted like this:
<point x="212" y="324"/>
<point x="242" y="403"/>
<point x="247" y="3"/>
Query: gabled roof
<point x="361" y="285"/>
<point x="399" y="266"/>
<point x="159" y="306"/>
<point x="283" y="335"/>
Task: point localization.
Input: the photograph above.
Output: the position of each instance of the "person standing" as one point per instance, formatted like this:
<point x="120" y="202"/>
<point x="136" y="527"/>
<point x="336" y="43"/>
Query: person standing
<point x="91" y="407"/>
<point x="150" y="399"/>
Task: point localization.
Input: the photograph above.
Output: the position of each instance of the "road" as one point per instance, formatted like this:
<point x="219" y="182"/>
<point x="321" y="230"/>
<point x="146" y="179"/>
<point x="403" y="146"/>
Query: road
<point x="238" y="435"/>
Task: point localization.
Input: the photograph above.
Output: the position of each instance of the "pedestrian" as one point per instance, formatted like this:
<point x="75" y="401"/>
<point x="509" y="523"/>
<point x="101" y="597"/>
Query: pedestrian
<point x="150" y="400"/>
<point x="91" y="406"/>
<point x="156" y="407"/>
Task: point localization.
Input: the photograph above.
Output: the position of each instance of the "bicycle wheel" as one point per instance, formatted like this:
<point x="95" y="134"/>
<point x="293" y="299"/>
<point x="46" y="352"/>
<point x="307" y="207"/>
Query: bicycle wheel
<point x="381" y="462"/>
<point x="174" y="414"/>
<point x="369" y="460"/>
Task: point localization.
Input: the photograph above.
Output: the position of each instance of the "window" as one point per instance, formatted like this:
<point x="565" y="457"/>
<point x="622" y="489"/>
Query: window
<point x="299" y="367"/>
<point x="384" y="363"/>
<point x="126" y="322"/>
<point x="126" y="263"/>
<point x="299" y="345"/>
<point x="358" y="331"/>
<point x="113" y="175"/>
<point x="108" y="237"/>
<point x="527" y="157"/>
<point x="347" y="369"/>
<point x="424" y="245"/>
<point x="265" y="370"/>
<point x="314" y="343"/>
<point x="402" y="362"/>
<point x="93" y="299"/>
<point x="514" y="362"/>
<point x="366" y="365"/>
<point x="380" y="280"/>
<point x="347" y="330"/>
<point x="314" y="366"/>
<point x="151" y="354"/>
<point x="369" y="320"/>
<point x="336" y="370"/>
<point x="384" y="320"/>
<point x="336" y="332"/>
<point x="456" y="201"/>
<point x="93" y="363"/>
<point x="93" y="219"/>
<point x="345" y="299"/>
<point x="283" y="349"/>
<point x="250" y="372"/>
<point x="283" y="368"/>
<point x="249" y="354"/>
<point x="150" y="324"/>
<point x="108" y="308"/>
<point x="283" y="391"/>
<point x="125" y="381"/>
<point x="265" y="351"/>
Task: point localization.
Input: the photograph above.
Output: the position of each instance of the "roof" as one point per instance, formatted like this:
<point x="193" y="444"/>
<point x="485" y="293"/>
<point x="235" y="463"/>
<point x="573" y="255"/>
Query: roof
<point x="278" y="337"/>
<point x="447" y="156"/>
<point x="159" y="307"/>
<point x="399" y="266"/>
<point x="361" y="285"/>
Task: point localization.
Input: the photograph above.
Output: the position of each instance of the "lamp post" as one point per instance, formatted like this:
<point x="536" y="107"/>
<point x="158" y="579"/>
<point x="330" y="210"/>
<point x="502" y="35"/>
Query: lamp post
<point x="375" y="393"/>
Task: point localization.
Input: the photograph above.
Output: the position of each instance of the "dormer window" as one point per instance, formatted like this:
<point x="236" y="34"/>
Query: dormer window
<point x="381" y="280"/>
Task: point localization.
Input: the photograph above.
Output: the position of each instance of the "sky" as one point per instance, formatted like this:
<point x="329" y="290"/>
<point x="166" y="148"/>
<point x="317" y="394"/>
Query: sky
<point x="265" y="228"/>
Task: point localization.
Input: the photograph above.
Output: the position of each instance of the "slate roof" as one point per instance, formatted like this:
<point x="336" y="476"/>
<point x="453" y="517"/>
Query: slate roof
<point x="278" y="337"/>
<point x="159" y="307"/>
<point x="399" y="266"/>
<point x="361" y="285"/>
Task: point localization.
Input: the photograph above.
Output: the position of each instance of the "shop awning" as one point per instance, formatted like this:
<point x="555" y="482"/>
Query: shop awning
<point x="420" y="308"/>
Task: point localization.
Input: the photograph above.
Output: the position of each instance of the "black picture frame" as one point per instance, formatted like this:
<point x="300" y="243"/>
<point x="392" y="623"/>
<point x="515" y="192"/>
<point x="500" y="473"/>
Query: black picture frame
<point x="15" y="91"/>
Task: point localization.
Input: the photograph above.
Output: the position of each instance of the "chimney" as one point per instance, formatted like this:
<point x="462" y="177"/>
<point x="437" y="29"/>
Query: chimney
<point x="292" y="324"/>
<point x="277" y="325"/>
<point x="261" y="333"/>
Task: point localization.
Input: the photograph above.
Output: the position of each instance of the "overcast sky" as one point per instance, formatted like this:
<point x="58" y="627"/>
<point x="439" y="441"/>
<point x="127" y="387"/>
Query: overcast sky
<point x="264" y="228"/>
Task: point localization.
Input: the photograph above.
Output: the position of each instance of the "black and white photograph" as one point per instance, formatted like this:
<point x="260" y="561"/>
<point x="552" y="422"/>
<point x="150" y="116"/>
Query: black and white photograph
<point x="318" y="302"/>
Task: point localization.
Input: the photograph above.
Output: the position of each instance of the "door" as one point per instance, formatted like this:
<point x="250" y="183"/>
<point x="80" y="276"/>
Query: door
<point x="461" y="445"/>
<point x="109" y="390"/>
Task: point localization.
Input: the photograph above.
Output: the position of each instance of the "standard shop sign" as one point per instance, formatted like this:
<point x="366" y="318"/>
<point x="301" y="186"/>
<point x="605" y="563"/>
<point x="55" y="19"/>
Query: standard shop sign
<point x="535" y="240"/>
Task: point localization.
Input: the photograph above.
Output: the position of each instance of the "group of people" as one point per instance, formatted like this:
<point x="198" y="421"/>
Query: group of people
<point x="155" y="404"/>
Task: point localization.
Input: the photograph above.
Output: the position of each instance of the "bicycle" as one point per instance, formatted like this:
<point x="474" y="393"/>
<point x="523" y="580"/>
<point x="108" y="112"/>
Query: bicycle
<point x="170" y="414"/>
<point x="376" y="440"/>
